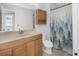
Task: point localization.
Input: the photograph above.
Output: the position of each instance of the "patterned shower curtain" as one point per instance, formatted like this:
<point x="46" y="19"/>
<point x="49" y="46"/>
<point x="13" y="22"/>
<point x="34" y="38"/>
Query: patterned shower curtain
<point x="61" y="27"/>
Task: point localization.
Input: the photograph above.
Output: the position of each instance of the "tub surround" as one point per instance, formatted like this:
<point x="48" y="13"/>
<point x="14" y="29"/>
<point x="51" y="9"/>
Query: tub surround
<point x="27" y="44"/>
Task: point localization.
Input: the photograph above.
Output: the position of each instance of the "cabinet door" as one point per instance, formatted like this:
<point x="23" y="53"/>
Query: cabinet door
<point x="38" y="47"/>
<point x="19" y="50"/>
<point x="6" y="52"/>
<point x="40" y="16"/>
<point x="30" y="47"/>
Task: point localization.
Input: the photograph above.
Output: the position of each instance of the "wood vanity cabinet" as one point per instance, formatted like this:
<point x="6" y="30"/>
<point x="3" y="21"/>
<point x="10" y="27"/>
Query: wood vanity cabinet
<point x="30" y="48"/>
<point x="19" y="50"/>
<point x="6" y="52"/>
<point x="38" y="47"/>
<point x="24" y="47"/>
<point x="34" y="48"/>
<point x="40" y="16"/>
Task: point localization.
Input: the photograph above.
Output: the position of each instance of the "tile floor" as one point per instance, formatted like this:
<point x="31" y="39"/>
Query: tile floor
<point x="56" y="52"/>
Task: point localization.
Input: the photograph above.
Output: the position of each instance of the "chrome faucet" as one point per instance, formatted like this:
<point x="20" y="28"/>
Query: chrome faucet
<point x="21" y="31"/>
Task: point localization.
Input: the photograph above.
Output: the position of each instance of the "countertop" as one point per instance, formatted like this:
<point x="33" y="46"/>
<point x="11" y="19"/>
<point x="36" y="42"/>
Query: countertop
<point x="11" y="36"/>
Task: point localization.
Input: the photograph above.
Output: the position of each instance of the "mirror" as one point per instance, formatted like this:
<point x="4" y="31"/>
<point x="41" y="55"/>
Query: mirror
<point x="13" y="18"/>
<point x="7" y="20"/>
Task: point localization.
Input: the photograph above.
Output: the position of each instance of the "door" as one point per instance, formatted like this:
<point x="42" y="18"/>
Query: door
<point x="19" y="50"/>
<point x="30" y="47"/>
<point x="38" y="47"/>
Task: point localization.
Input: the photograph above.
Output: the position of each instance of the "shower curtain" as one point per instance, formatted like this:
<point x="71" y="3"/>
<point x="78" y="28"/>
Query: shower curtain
<point x="61" y="28"/>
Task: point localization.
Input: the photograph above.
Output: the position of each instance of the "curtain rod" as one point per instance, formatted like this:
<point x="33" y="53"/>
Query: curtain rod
<point x="60" y="6"/>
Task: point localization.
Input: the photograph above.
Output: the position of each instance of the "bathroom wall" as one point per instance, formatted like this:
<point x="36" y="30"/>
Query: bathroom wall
<point x="75" y="7"/>
<point x="78" y="26"/>
<point x="24" y="5"/>
<point x="23" y="16"/>
<point x="74" y="20"/>
<point x="44" y="28"/>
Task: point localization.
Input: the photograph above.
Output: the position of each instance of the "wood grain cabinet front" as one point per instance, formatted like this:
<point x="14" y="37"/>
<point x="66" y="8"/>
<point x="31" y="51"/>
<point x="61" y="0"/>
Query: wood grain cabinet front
<point x="40" y="16"/>
<point x="19" y="50"/>
<point x="34" y="48"/>
<point x="38" y="47"/>
<point x="6" y="52"/>
<point x="23" y="47"/>
<point x="30" y="47"/>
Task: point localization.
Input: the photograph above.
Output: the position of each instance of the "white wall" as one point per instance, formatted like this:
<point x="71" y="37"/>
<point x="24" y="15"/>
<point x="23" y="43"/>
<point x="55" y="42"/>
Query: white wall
<point x="76" y="28"/>
<point x="75" y="14"/>
<point x="44" y="28"/>
<point x="24" y="5"/>
<point x="75" y="21"/>
<point x="23" y="16"/>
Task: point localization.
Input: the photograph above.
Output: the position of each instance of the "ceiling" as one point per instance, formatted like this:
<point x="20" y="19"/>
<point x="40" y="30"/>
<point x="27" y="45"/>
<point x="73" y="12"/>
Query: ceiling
<point x="34" y="5"/>
<point x="24" y="5"/>
<point x="55" y="5"/>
